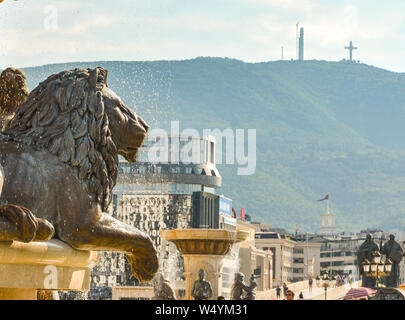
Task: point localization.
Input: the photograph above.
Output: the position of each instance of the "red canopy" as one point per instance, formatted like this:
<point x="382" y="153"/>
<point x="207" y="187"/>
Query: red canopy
<point x="357" y="293"/>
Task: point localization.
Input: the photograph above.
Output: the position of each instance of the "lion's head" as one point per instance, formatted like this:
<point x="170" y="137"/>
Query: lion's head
<point x="13" y="92"/>
<point x="75" y="116"/>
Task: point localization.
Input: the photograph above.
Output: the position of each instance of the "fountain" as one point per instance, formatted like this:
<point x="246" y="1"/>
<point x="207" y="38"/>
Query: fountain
<point x="29" y="269"/>
<point x="68" y="129"/>
<point x="203" y="249"/>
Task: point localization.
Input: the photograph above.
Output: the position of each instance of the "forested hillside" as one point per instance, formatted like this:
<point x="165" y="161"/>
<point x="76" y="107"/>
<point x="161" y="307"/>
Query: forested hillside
<point x="322" y="127"/>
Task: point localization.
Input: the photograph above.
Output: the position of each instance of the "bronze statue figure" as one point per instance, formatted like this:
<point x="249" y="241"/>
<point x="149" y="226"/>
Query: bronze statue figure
<point x="392" y="250"/>
<point x="252" y="286"/>
<point x="162" y="288"/>
<point x="366" y="251"/>
<point x="13" y="92"/>
<point x="59" y="155"/>
<point x="239" y="289"/>
<point x="201" y="288"/>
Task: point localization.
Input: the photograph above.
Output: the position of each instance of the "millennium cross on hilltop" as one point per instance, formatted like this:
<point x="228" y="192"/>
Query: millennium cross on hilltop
<point x="351" y="48"/>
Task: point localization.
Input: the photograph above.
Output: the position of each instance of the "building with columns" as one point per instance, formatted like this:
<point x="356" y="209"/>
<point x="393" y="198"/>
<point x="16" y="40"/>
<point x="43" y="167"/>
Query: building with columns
<point x="253" y="260"/>
<point x="328" y="224"/>
<point x="283" y="251"/>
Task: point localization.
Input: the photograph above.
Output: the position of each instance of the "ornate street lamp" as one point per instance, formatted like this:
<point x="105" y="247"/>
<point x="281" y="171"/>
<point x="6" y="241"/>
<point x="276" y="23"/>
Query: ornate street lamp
<point x="326" y="279"/>
<point x="366" y="266"/>
<point x="377" y="268"/>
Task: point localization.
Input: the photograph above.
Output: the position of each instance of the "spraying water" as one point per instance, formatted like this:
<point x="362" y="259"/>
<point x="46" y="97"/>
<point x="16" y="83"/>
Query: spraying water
<point x="231" y="266"/>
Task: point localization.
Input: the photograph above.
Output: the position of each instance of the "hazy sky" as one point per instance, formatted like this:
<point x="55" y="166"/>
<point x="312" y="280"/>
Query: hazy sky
<point x="36" y="32"/>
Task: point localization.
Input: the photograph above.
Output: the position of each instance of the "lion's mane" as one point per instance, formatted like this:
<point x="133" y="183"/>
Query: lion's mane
<point x="13" y="92"/>
<point x="65" y="115"/>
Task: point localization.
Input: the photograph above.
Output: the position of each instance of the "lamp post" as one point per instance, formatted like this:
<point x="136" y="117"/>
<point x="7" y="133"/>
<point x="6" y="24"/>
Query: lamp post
<point x="326" y="279"/>
<point x="377" y="268"/>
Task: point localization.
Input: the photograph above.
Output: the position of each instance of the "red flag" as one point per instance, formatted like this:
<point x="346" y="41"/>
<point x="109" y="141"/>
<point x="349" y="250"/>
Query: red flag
<point x="242" y="214"/>
<point x="324" y="198"/>
<point x="234" y="213"/>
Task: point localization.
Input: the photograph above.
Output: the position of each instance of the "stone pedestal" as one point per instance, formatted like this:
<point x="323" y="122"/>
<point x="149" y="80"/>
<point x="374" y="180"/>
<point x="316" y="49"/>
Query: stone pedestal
<point x="212" y="264"/>
<point x="203" y="249"/>
<point x="26" y="268"/>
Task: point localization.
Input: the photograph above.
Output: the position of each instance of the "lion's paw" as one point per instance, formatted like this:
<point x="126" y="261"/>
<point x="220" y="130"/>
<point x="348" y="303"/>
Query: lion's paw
<point x="24" y="220"/>
<point x="45" y="230"/>
<point x="144" y="264"/>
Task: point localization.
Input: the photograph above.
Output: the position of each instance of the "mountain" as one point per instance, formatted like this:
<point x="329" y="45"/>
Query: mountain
<point x="322" y="127"/>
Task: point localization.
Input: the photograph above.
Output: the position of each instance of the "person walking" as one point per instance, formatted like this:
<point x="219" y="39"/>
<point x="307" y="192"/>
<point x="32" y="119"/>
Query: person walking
<point x="310" y="282"/>
<point x="285" y="289"/>
<point x="337" y="283"/>
<point x="278" y="291"/>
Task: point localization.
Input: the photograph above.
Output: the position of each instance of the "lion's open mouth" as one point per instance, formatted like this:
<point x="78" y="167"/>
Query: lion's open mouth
<point x="130" y="154"/>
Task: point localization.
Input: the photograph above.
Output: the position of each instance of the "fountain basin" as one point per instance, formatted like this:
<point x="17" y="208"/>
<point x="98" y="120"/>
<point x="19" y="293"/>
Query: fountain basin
<point x="203" y="249"/>
<point x="203" y="241"/>
<point x="28" y="268"/>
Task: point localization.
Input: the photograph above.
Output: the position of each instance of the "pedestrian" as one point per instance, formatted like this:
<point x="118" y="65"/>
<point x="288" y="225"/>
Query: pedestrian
<point x="278" y="291"/>
<point x="285" y="289"/>
<point x="337" y="281"/>
<point x="310" y="282"/>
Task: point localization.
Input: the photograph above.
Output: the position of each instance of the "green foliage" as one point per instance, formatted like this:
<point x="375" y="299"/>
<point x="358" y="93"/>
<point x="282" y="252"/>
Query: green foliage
<point x="322" y="127"/>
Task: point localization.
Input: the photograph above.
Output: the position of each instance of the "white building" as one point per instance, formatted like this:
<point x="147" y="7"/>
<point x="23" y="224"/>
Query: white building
<point x="252" y="260"/>
<point x="282" y="249"/>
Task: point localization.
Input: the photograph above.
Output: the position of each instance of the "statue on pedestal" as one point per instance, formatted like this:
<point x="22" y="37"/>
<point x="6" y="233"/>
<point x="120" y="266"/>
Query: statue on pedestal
<point x="366" y="251"/>
<point x="252" y="286"/>
<point x="201" y="288"/>
<point x="162" y="288"/>
<point x="392" y="250"/>
<point x="239" y="288"/>
<point x="59" y="155"/>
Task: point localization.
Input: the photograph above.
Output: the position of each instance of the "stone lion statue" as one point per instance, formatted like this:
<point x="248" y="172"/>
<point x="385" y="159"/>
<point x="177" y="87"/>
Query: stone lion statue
<point x="13" y="92"/>
<point x="59" y="155"/>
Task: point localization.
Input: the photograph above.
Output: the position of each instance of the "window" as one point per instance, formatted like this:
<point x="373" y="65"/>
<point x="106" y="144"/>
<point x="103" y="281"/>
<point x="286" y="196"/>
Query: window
<point x="298" y="260"/>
